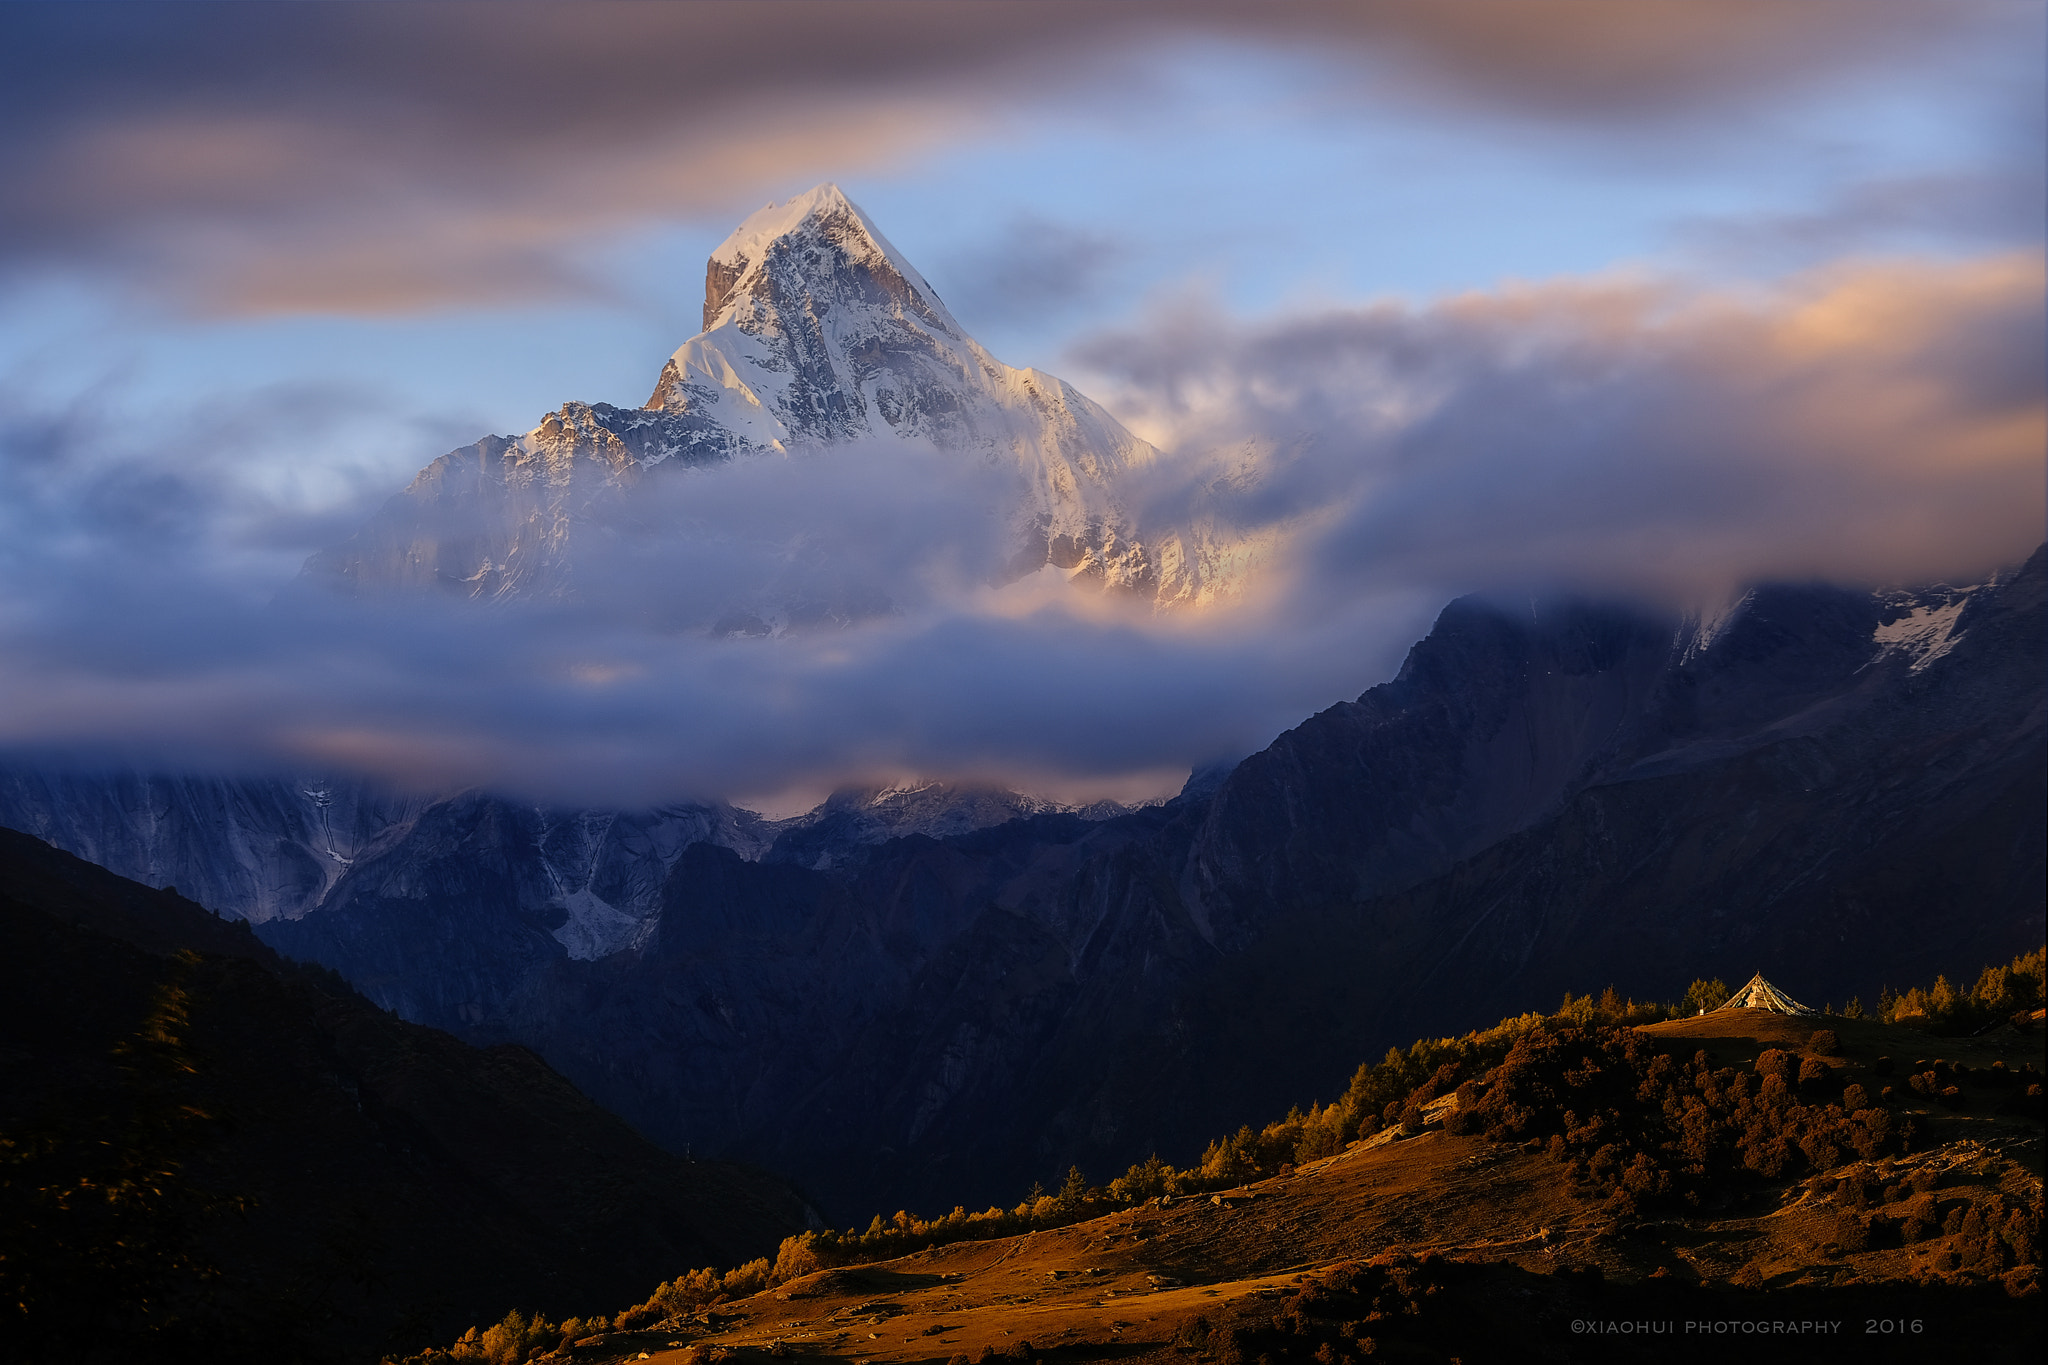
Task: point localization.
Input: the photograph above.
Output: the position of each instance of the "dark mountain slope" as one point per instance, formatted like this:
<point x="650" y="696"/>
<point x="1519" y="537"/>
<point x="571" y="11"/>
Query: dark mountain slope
<point x="1834" y="787"/>
<point x="1539" y="800"/>
<point x="402" y="1183"/>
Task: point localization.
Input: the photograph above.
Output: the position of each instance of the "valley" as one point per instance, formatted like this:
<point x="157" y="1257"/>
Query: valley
<point x="324" y="1066"/>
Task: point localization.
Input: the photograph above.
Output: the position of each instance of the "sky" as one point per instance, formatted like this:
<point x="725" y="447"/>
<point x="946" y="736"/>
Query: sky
<point x="1641" y="298"/>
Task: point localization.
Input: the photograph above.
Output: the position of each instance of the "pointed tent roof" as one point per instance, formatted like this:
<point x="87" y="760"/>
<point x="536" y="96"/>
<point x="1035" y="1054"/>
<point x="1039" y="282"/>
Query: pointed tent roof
<point x="1760" y="994"/>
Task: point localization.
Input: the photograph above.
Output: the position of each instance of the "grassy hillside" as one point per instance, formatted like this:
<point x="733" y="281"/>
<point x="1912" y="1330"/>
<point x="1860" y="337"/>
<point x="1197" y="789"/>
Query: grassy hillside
<point x="1803" y="1163"/>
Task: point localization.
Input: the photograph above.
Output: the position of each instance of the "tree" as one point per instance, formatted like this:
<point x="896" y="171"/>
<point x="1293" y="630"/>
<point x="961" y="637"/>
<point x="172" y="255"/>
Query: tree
<point x="1702" y="996"/>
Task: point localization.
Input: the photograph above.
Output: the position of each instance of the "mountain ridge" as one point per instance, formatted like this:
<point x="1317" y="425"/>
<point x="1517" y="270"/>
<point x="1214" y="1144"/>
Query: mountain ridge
<point x="1536" y="798"/>
<point x="393" y="1183"/>
<point x="1545" y="791"/>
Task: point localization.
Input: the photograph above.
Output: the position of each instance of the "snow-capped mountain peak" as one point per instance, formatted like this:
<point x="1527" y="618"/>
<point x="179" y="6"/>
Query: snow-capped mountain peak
<point x="779" y="245"/>
<point x="818" y="333"/>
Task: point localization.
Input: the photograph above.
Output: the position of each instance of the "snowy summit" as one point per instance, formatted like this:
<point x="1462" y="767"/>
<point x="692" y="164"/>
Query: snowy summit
<point x="817" y="334"/>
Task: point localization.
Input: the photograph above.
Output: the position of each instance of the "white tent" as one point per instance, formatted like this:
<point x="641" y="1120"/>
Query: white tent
<point x="1760" y="994"/>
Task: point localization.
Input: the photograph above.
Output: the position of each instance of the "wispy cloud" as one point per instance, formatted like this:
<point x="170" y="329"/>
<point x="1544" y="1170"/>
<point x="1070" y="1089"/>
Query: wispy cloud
<point x="1033" y="266"/>
<point x="390" y="158"/>
<point x="1976" y="208"/>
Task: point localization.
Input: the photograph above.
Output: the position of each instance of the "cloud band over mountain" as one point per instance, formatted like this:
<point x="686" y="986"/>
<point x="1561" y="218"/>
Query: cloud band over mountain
<point x="1616" y="436"/>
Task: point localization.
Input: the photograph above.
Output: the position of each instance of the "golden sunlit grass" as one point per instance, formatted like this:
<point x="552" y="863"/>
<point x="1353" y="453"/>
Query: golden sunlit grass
<point x="1937" y="1189"/>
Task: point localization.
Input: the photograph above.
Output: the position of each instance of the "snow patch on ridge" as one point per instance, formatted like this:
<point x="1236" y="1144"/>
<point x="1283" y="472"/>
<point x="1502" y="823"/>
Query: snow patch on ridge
<point x="1926" y="633"/>
<point x="595" y="927"/>
<point x="1711" y="625"/>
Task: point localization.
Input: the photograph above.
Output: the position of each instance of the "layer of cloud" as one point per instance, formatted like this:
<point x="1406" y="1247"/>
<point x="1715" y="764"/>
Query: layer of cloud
<point x="141" y="649"/>
<point x="385" y="158"/>
<point x="1876" y="422"/>
<point x="229" y="490"/>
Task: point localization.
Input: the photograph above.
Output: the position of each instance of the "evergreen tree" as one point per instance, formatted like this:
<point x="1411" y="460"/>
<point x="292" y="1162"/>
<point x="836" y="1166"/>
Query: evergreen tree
<point x="1705" y="995"/>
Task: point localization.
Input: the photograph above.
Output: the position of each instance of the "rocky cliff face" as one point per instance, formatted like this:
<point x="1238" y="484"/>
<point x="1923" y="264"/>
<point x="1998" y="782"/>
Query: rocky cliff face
<point x="1836" y="788"/>
<point x="854" y="820"/>
<point x="257" y="849"/>
<point x="485" y="889"/>
<point x="277" y="849"/>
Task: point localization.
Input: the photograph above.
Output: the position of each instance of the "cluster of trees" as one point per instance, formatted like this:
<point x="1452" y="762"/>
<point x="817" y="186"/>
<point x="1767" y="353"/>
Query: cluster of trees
<point x="1351" y="1310"/>
<point x="1639" y="1127"/>
<point x="1380" y="1095"/>
<point x="518" y="1338"/>
<point x="1989" y="1236"/>
<point x="2001" y="993"/>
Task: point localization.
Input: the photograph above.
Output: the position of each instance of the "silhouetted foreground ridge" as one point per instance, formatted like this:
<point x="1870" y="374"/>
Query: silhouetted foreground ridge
<point x="209" y="1153"/>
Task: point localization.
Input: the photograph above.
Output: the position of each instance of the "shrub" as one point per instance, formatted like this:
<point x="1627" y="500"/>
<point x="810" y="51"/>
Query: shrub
<point x="1824" y="1044"/>
<point x="2025" y="1103"/>
<point x="1917" y="1223"/>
